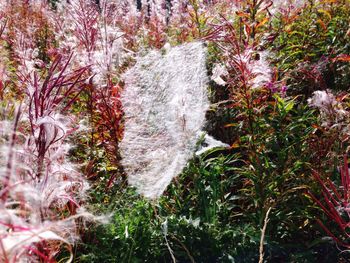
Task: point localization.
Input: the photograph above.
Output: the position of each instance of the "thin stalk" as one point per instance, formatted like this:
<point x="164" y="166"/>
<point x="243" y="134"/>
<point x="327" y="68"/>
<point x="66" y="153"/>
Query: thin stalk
<point x="263" y="231"/>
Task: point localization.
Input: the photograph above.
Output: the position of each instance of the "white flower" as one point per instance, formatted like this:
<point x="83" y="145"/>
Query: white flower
<point x="323" y="100"/>
<point x="331" y="110"/>
<point x="257" y="67"/>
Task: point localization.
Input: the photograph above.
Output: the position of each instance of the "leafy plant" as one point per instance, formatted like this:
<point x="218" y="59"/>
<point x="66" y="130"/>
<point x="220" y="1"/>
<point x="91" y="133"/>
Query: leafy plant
<point x="334" y="203"/>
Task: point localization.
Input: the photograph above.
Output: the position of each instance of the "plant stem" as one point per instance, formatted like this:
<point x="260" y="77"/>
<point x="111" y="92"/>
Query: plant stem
<point x="263" y="230"/>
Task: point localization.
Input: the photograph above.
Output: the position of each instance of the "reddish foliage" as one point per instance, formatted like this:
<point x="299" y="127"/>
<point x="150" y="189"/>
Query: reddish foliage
<point x="110" y="112"/>
<point x="335" y="203"/>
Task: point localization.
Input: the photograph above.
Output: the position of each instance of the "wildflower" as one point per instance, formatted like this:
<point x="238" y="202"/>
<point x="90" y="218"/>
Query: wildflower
<point x="323" y="100"/>
<point x="330" y="109"/>
<point x="284" y="89"/>
<point x="260" y="68"/>
<point x="271" y="86"/>
<point x="256" y="67"/>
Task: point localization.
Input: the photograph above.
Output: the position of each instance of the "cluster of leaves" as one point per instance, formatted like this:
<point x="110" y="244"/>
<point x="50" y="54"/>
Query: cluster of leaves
<point x="312" y="47"/>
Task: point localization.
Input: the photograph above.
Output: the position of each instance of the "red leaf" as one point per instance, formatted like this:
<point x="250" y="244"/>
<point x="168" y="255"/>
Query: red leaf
<point x="342" y="58"/>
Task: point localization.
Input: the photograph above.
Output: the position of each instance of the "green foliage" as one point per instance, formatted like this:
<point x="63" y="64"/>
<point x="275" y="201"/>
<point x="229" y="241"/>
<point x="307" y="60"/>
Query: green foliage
<point x="278" y="160"/>
<point x="199" y="203"/>
<point x="131" y="236"/>
<point x="211" y="212"/>
<point x="308" y="45"/>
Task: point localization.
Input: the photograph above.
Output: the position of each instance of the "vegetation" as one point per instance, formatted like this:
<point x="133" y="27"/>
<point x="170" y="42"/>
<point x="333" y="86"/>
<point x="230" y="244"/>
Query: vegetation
<point x="279" y="98"/>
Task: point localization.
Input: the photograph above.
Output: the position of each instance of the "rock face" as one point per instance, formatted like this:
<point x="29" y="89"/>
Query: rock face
<point x="165" y="100"/>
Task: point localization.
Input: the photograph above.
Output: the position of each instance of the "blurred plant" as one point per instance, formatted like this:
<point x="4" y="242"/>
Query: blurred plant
<point x="28" y="35"/>
<point x="41" y="192"/>
<point x="335" y="204"/>
<point x="331" y="136"/>
<point x="331" y="110"/>
<point x="85" y="17"/>
<point x="2" y="24"/>
<point x="92" y="31"/>
<point x="46" y="98"/>
<point x="310" y="45"/>
<point x="110" y="128"/>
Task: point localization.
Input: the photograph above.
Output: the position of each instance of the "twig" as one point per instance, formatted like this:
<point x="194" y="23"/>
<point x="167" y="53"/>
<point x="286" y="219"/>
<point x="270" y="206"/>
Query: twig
<point x="263" y="230"/>
<point x="185" y="248"/>
<point x="170" y="250"/>
<point x="165" y="233"/>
